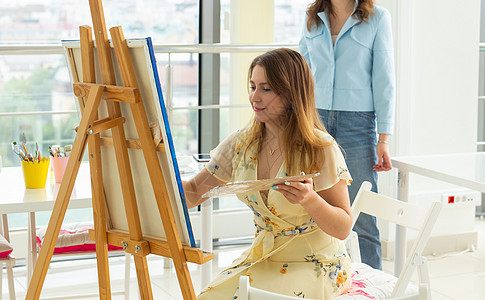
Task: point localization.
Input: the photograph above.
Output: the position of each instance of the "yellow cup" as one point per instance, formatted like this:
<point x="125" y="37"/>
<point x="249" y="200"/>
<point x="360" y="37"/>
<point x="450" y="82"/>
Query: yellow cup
<point x="35" y="173"/>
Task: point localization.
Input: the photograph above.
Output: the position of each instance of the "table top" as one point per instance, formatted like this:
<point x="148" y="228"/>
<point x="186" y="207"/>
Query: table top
<point x="15" y="198"/>
<point x="464" y="169"/>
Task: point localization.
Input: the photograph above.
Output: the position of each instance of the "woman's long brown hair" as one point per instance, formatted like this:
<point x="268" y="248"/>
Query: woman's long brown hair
<point x="289" y="76"/>
<point x="362" y="12"/>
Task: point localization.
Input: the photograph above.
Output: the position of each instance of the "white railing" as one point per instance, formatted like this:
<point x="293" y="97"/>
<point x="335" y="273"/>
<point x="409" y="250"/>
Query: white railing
<point x="37" y="113"/>
<point x="22" y="49"/>
<point x="49" y="49"/>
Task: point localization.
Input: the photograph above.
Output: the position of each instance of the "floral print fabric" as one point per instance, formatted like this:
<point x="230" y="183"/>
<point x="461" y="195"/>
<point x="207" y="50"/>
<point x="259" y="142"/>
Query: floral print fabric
<point x="290" y="254"/>
<point x="372" y="284"/>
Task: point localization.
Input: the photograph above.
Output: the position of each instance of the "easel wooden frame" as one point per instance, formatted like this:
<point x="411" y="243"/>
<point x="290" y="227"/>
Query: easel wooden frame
<point x="90" y="95"/>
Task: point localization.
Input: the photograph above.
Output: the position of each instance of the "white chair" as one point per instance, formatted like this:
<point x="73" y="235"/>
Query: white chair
<point x="421" y="295"/>
<point x="246" y="292"/>
<point x="8" y="261"/>
<point x="401" y="213"/>
<point x="404" y="214"/>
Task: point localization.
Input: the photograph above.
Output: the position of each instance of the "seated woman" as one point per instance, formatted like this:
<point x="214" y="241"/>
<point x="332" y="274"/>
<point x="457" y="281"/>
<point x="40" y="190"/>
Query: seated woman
<point x="298" y="248"/>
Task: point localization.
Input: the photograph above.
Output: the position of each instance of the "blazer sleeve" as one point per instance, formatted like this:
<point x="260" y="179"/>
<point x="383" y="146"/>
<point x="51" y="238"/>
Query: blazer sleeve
<point x="383" y="77"/>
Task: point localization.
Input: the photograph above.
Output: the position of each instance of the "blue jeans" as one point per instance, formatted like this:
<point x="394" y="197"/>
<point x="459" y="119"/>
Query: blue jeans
<point x="355" y="132"/>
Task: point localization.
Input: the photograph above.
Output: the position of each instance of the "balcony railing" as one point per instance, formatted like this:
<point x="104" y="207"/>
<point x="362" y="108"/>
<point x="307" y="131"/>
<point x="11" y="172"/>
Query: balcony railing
<point x="49" y="49"/>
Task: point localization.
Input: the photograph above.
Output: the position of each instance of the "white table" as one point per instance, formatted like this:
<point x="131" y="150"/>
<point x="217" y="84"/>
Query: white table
<point x="15" y="198"/>
<point x="463" y="169"/>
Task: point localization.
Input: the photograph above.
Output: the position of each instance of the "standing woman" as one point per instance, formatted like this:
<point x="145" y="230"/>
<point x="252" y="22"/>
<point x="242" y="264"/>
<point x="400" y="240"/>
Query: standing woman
<point x="348" y="45"/>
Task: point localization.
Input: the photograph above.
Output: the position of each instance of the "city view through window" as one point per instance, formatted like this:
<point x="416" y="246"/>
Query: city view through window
<point x="35" y="91"/>
<point x="36" y="96"/>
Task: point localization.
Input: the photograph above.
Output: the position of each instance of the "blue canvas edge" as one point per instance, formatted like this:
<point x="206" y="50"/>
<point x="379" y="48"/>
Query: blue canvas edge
<point x="170" y="141"/>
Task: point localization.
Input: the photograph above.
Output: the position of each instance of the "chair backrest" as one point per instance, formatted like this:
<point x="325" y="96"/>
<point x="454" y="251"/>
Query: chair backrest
<point x="403" y="214"/>
<point x="246" y="292"/>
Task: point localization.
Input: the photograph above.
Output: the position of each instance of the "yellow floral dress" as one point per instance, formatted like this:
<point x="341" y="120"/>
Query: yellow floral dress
<point x="290" y="255"/>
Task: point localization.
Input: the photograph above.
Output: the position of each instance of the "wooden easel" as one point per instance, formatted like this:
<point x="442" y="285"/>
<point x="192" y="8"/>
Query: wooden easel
<point x="90" y="95"/>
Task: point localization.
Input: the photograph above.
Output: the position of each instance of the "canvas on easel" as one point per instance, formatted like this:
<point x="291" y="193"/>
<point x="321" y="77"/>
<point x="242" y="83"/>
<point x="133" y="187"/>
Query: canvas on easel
<point x="124" y="126"/>
<point x="143" y="57"/>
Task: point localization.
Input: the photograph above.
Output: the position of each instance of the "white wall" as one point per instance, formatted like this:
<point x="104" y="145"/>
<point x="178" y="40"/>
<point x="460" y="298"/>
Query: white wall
<point x="436" y="44"/>
<point x="445" y="83"/>
<point x="439" y="113"/>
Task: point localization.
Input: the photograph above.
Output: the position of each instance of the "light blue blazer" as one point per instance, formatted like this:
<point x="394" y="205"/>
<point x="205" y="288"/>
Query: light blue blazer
<point x="357" y="73"/>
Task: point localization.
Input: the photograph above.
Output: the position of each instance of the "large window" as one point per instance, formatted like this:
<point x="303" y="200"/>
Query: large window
<point x="36" y="97"/>
<point x="251" y="22"/>
<point x="35" y="90"/>
<point x="35" y="94"/>
<point x="287" y="22"/>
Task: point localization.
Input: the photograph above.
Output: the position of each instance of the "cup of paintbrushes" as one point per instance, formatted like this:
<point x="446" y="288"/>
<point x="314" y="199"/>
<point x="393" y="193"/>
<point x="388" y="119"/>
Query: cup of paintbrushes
<point x="59" y="166"/>
<point x="35" y="173"/>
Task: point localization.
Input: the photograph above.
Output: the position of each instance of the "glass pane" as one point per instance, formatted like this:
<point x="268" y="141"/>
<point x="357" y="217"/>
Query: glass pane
<point x="224" y="81"/>
<point x="20" y="220"/>
<point x="166" y="21"/>
<point x="45" y="130"/>
<point x="230" y="202"/>
<point x="184" y="131"/>
<point x="30" y="84"/>
<point x="36" y="99"/>
<point x="184" y="122"/>
<point x="288" y="24"/>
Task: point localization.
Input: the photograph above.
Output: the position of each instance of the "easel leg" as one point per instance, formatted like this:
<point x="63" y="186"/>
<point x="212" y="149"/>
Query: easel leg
<point x="64" y="195"/>
<point x="153" y="166"/>
<point x="123" y="163"/>
<point x="99" y="217"/>
<point x="119" y="140"/>
<point x="129" y="201"/>
<point x="94" y="146"/>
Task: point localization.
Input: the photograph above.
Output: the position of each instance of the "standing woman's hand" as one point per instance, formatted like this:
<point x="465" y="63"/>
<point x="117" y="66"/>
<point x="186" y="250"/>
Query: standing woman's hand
<point x="383" y="156"/>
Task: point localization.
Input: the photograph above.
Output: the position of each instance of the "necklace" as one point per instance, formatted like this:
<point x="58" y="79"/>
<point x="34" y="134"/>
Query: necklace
<point x="273" y="158"/>
<point x="272" y="141"/>
<point x="271" y="152"/>
<point x="269" y="159"/>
